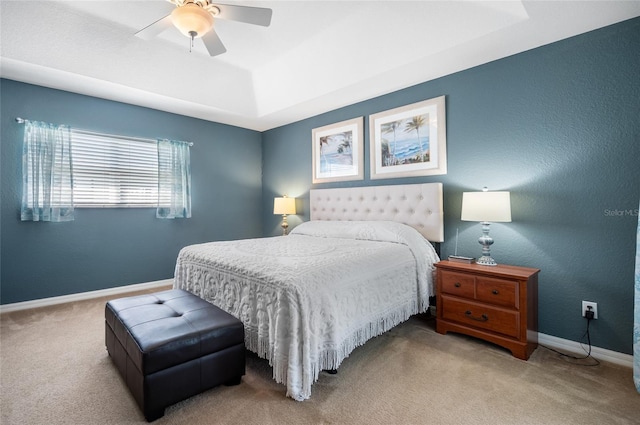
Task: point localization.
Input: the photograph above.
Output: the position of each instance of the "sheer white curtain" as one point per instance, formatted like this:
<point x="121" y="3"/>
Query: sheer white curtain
<point x="636" y="315"/>
<point x="47" y="193"/>
<point x="174" y="179"/>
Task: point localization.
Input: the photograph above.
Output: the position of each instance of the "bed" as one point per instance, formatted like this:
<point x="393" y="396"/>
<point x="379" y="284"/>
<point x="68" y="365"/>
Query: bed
<point x="360" y="266"/>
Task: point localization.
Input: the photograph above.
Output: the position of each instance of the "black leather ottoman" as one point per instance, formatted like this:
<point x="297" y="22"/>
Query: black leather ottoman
<point x="171" y="345"/>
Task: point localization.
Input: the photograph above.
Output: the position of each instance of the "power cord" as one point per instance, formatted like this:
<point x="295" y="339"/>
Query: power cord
<point x="596" y="362"/>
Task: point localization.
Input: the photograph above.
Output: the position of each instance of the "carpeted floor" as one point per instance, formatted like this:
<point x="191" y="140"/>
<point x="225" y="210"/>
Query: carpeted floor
<point x="55" y="370"/>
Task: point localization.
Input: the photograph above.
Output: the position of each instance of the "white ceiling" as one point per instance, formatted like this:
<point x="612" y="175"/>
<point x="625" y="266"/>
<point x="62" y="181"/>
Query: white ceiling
<point x="316" y="56"/>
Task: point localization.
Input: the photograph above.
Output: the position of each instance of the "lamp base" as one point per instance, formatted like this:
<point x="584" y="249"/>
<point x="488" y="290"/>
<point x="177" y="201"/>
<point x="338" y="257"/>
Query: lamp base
<point x="285" y="225"/>
<point x="486" y="241"/>
<point x="486" y="261"/>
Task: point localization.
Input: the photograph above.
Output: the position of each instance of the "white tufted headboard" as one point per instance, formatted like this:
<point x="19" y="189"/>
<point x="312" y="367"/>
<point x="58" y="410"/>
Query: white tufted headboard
<point x="417" y="205"/>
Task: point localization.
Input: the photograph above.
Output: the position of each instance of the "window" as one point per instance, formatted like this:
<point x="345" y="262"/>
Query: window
<point x="65" y="168"/>
<point x="113" y="171"/>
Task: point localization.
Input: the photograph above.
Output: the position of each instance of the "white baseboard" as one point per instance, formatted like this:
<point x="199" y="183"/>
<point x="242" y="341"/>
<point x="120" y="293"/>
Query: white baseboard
<point x="548" y="340"/>
<point x="576" y="348"/>
<point x="7" y="308"/>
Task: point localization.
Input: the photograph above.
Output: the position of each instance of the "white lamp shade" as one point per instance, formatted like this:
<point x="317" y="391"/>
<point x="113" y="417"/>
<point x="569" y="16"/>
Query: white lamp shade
<point x="192" y="18"/>
<point x="486" y="206"/>
<point x="284" y="205"/>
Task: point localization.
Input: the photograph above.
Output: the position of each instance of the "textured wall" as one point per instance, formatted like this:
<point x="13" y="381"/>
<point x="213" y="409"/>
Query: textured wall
<point x="106" y="248"/>
<point x="559" y="127"/>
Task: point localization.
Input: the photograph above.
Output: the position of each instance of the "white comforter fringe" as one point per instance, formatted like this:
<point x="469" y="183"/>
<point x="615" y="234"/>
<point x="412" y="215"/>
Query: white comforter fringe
<point x="309" y="299"/>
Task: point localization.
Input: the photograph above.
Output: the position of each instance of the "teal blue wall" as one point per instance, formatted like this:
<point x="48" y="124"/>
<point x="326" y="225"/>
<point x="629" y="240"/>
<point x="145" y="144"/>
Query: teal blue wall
<point x="105" y="248"/>
<point x="559" y="127"/>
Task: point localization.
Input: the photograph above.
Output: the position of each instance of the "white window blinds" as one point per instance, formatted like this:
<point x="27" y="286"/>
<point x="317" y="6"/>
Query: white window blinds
<point x="114" y="171"/>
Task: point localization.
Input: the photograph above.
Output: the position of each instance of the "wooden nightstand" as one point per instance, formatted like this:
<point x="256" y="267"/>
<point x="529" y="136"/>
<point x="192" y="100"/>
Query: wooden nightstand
<point x="496" y="303"/>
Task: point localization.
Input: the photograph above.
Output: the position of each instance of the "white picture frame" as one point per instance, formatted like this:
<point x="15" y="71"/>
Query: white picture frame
<point x="409" y="141"/>
<point x="338" y="151"/>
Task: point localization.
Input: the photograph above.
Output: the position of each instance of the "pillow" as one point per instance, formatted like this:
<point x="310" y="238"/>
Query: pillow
<point x="384" y="231"/>
<point x="387" y="231"/>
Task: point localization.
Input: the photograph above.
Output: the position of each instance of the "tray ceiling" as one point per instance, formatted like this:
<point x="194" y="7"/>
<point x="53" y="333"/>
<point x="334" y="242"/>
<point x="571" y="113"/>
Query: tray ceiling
<point x="316" y="55"/>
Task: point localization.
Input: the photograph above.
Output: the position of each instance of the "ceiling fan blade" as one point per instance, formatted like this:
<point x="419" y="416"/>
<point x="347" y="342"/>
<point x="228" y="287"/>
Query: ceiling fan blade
<point x="250" y="15"/>
<point x="213" y="43"/>
<point x="150" y="31"/>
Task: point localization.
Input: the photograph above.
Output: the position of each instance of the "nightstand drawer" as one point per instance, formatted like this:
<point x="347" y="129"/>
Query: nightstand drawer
<point x="481" y="316"/>
<point x="459" y="284"/>
<point x="497" y="291"/>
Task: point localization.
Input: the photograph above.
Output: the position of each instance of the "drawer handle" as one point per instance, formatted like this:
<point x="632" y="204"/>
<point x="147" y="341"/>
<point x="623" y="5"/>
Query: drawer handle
<point x="495" y="292"/>
<point x="482" y="318"/>
<point x="457" y="284"/>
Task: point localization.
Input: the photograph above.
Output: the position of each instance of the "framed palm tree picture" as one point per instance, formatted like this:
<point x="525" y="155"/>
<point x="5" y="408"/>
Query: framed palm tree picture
<point x="338" y="152"/>
<point x="409" y="141"/>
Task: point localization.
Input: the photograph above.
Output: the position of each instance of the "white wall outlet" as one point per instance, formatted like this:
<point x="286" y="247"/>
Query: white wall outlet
<point x="594" y="308"/>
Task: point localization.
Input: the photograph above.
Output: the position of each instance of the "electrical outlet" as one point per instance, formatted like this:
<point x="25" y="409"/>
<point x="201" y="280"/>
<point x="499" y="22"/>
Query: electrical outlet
<point x="594" y="308"/>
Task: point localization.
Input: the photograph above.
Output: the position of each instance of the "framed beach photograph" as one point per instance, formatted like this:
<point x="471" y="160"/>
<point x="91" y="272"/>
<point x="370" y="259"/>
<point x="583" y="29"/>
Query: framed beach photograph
<point x="338" y="151"/>
<point x="409" y="141"/>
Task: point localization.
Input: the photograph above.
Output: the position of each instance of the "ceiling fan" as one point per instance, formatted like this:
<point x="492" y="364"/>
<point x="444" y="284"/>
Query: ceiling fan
<point x="195" y="19"/>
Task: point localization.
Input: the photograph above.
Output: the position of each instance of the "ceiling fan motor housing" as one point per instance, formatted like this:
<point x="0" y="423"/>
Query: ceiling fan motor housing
<point x="192" y="20"/>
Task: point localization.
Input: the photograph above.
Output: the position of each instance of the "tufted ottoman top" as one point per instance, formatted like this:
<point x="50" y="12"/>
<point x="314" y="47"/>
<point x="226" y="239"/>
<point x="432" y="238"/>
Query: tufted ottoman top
<point x="172" y="327"/>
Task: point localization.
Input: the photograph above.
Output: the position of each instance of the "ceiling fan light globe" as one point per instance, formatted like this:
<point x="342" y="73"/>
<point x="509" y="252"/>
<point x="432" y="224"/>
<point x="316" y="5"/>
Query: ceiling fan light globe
<point x="190" y="19"/>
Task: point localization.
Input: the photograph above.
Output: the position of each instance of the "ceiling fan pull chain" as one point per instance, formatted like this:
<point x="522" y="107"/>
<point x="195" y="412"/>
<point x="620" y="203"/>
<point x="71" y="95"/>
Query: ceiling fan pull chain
<point x="193" y="35"/>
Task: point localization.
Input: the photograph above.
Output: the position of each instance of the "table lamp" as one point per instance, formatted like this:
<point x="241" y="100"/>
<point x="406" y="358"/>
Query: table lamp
<point x="284" y="206"/>
<point x="486" y="207"/>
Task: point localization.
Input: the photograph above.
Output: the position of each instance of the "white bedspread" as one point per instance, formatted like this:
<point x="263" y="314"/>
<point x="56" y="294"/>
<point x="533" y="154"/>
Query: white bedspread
<point x="308" y="299"/>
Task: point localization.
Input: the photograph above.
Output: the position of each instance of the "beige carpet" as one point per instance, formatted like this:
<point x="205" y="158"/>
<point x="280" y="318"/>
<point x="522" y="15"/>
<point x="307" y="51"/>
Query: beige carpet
<point x="55" y="370"/>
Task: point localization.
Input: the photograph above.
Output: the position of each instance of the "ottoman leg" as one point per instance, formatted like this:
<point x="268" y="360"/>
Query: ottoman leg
<point x="234" y="381"/>
<point x="153" y="415"/>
